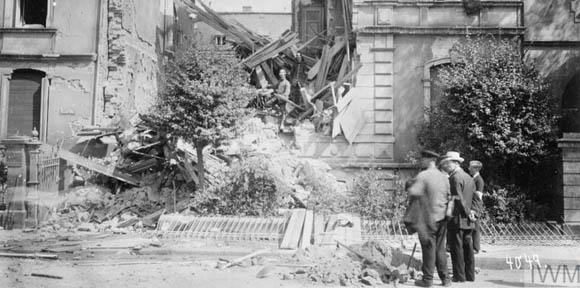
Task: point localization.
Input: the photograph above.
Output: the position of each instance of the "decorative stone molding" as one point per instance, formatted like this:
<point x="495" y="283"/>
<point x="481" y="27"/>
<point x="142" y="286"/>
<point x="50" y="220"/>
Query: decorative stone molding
<point x="570" y="147"/>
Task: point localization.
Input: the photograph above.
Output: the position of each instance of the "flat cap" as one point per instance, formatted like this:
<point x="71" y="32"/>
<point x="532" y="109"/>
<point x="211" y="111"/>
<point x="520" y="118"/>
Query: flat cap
<point x="475" y="163"/>
<point x="429" y="154"/>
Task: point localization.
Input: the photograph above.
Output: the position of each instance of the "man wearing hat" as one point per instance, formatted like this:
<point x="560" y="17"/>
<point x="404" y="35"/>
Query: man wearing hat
<point x="460" y="225"/>
<point x="432" y="186"/>
<point x="477" y="210"/>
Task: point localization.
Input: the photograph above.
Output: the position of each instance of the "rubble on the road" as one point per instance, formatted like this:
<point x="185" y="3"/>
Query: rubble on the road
<point x="382" y="264"/>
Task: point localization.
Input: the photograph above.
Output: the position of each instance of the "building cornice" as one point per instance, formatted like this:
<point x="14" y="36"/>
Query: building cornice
<point x="91" y="57"/>
<point x="255" y="13"/>
<point x="28" y="30"/>
<point x="431" y="3"/>
<point x="465" y="30"/>
<point x="552" y="44"/>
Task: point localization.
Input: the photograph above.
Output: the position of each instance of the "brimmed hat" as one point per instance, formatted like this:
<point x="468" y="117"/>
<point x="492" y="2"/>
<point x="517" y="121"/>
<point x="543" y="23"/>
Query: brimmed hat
<point x="452" y="156"/>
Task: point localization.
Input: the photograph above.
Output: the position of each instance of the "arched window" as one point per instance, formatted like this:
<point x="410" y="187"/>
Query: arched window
<point x="24" y="102"/>
<point x="436" y="90"/>
<point x="431" y="91"/>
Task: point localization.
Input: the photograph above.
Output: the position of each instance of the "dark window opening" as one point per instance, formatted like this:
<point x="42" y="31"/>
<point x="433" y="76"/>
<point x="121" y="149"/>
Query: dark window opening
<point x="33" y="12"/>
<point x="24" y="108"/>
<point x="436" y="89"/>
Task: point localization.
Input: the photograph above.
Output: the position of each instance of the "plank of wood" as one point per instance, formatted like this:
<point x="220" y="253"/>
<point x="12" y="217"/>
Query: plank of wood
<point x="45" y="275"/>
<point x="151" y="219"/>
<point x="338" y="84"/>
<point x="352" y="120"/>
<point x="293" y="231"/>
<point x="318" y="228"/>
<point x="307" y="229"/>
<point x="249" y="256"/>
<point x="288" y="101"/>
<point x="30" y="255"/>
<point x="110" y="171"/>
<point x="326" y="60"/>
<point x="128" y="223"/>
<point x="269" y="74"/>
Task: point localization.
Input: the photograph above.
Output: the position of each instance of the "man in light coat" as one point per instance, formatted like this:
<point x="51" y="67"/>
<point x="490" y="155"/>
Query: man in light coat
<point x="432" y="186"/>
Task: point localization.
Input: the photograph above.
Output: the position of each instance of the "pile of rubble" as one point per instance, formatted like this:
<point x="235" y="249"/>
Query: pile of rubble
<point x="371" y="263"/>
<point x="166" y="175"/>
<point x="96" y="209"/>
<point x="322" y="72"/>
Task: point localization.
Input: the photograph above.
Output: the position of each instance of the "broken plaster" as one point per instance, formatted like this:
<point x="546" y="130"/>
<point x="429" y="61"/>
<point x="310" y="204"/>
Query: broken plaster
<point x="75" y="84"/>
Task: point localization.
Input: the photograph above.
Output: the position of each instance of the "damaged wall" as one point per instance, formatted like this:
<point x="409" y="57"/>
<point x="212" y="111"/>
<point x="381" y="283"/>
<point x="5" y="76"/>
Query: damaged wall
<point x="70" y="89"/>
<point x="65" y="52"/>
<point x="133" y="60"/>
<point x="102" y="60"/>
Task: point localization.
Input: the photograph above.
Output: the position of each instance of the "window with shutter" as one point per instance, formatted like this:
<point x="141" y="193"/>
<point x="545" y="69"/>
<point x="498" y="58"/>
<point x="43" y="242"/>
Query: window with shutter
<point x="24" y="102"/>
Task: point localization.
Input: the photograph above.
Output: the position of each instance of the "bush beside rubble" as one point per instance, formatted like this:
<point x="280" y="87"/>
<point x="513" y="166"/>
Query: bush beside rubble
<point x="379" y="196"/>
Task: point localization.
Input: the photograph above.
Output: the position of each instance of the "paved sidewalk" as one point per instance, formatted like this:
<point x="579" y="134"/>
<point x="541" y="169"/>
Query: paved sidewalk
<point x="498" y="257"/>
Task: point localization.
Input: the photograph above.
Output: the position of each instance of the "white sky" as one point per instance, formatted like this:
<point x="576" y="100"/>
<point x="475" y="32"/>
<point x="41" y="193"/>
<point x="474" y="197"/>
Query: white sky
<point x="257" y="5"/>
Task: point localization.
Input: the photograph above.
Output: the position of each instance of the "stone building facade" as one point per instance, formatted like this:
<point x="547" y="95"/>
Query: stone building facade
<point x="64" y="65"/>
<point x="401" y="44"/>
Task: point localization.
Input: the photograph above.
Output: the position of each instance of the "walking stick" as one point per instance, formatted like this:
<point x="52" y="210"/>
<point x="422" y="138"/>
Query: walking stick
<point x="412" y="254"/>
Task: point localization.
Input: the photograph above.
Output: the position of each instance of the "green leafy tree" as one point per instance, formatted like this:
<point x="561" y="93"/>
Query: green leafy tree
<point x="206" y="93"/>
<point x="494" y="107"/>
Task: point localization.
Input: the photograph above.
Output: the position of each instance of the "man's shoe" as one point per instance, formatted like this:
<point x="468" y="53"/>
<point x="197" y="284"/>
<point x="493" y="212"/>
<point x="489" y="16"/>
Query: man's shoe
<point x="424" y="283"/>
<point x="457" y="280"/>
<point x="446" y="283"/>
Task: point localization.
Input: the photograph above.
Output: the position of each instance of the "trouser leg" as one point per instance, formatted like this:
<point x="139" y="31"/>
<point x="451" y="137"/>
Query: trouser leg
<point x="457" y="254"/>
<point x="468" y="255"/>
<point x="476" y="237"/>
<point x="440" y="246"/>
<point x="427" y="241"/>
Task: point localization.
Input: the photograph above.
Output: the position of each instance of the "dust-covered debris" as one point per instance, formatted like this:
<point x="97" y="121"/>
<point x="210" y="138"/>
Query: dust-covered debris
<point x="379" y="263"/>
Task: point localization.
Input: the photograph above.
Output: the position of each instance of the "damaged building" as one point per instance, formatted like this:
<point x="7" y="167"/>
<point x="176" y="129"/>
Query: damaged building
<point x="65" y="66"/>
<point x="401" y="45"/>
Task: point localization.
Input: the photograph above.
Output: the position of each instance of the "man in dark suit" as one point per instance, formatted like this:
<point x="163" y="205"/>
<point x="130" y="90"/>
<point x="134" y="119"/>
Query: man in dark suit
<point x="460" y="226"/>
<point x="432" y="187"/>
<point x="477" y="203"/>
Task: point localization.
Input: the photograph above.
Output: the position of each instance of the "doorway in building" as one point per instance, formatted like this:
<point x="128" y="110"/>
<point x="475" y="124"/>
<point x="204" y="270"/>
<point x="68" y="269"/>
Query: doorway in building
<point x="24" y="102"/>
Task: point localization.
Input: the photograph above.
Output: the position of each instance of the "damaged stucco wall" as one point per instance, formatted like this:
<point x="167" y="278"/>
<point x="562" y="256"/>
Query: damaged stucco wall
<point x="66" y="54"/>
<point x="133" y="59"/>
<point x="70" y="89"/>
